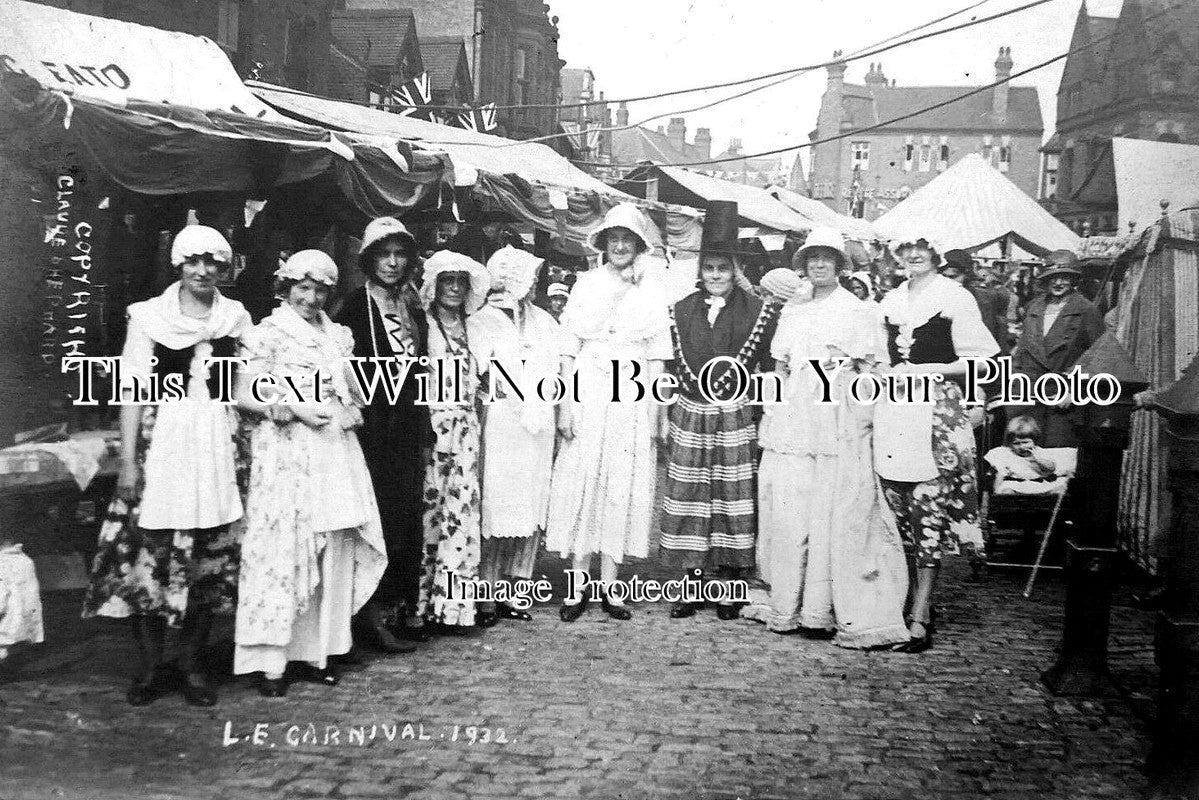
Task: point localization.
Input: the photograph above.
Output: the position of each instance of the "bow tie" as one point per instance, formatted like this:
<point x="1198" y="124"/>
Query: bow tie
<point x="714" y="306"/>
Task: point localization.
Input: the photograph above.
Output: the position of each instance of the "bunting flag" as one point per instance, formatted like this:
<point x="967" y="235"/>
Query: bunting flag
<point x="410" y="98"/>
<point x="479" y="120"/>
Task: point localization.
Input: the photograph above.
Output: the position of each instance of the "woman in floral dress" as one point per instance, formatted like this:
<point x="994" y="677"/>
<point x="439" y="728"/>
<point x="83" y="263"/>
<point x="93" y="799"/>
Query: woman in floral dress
<point x="167" y="556"/>
<point x="924" y="454"/>
<point x="313" y="551"/>
<point x="453" y="288"/>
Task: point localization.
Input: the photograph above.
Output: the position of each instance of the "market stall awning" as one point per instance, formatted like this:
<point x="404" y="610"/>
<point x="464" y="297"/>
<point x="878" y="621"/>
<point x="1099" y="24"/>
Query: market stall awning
<point x="1148" y="173"/>
<point x="97" y="57"/>
<point x="972" y="205"/>
<point x="676" y="185"/>
<point x="822" y="215"/>
<point x="467" y="149"/>
<point x="165" y="114"/>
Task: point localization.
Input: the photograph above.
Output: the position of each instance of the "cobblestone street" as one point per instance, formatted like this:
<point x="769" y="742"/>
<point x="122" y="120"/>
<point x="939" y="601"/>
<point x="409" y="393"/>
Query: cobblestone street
<point x="651" y="708"/>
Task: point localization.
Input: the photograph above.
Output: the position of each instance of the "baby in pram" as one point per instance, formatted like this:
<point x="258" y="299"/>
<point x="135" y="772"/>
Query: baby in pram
<point x="1023" y="467"/>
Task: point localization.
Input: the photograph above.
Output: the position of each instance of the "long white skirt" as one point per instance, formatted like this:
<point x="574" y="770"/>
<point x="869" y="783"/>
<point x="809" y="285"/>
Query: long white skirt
<point x="323" y="630"/>
<point x="831" y="561"/>
<point x="602" y="494"/>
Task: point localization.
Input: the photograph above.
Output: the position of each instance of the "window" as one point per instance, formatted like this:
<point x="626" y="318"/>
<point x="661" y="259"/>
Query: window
<point x="1049" y="187"/>
<point x="228" y="13"/>
<point x="1005" y="154"/>
<point x="926" y="157"/>
<point x="522" y="74"/>
<point x="860" y="156"/>
<point x="909" y="153"/>
<point x="943" y="155"/>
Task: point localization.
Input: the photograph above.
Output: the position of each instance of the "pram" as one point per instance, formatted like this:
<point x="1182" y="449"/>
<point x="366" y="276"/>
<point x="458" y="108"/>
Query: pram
<point x="1024" y="507"/>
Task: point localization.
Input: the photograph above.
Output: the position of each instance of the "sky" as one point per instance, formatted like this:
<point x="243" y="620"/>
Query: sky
<point x="638" y="47"/>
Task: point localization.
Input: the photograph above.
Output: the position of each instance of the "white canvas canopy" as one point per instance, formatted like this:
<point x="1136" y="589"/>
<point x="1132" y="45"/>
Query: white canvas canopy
<point x="822" y="215"/>
<point x="116" y="61"/>
<point x="1148" y="173"/>
<point x="972" y="205"/>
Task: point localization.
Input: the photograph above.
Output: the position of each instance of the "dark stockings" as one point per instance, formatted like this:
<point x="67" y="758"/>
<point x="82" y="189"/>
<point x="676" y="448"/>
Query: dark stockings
<point x="150" y="634"/>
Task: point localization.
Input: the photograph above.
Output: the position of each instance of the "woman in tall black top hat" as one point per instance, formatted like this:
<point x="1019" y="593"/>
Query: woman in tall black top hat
<point x="709" y="517"/>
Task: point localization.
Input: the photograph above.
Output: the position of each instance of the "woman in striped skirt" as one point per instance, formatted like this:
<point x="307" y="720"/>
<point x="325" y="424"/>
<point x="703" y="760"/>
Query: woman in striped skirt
<point x="709" y="518"/>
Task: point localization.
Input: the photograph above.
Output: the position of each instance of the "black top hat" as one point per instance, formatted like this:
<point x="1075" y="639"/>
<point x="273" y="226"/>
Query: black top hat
<point x="720" y="229"/>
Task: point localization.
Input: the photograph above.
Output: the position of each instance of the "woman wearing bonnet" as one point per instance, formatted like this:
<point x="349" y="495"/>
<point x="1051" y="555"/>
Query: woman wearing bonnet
<point x="518" y="436"/>
<point x="602" y="492"/>
<point x="167" y="555"/>
<point x="313" y="551"/>
<point x="925" y="454"/>
<point x="454" y="288"/>
<point x="835" y="569"/>
<point x="386" y="321"/>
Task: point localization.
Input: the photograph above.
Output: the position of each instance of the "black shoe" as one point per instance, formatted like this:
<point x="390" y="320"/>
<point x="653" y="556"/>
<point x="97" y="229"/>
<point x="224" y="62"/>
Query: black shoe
<point x="619" y="612"/>
<point x="414" y="633"/>
<point x="304" y="671"/>
<point x="727" y="612"/>
<point x="505" y="611"/>
<point x="200" y="693"/>
<point x="917" y="644"/>
<point x="682" y="610"/>
<point x="162" y="680"/>
<point x="370" y="630"/>
<point x="817" y="634"/>
<point x="572" y="611"/>
<point x="272" y="687"/>
<point x="354" y="658"/>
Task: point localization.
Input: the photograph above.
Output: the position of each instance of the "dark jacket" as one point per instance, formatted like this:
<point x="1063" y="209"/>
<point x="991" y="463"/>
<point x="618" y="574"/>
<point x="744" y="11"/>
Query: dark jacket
<point x="1077" y="327"/>
<point x="701" y="342"/>
<point x="384" y="423"/>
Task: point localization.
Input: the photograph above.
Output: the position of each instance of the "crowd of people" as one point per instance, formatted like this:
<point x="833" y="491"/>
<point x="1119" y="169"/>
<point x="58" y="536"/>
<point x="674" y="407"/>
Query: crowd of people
<point x="338" y="519"/>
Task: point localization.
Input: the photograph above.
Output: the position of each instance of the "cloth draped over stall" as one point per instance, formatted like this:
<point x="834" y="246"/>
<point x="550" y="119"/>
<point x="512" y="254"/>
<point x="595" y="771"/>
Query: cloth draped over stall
<point x="526" y="180"/>
<point x="1157" y="321"/>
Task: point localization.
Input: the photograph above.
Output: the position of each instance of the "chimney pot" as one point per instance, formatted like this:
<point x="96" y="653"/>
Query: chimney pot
<point x="1001" y="93"/>
<point x="622" y="114"/>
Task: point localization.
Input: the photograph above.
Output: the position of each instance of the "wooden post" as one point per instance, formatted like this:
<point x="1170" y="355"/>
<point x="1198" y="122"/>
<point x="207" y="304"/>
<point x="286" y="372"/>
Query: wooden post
<point x="1081" y="668"/>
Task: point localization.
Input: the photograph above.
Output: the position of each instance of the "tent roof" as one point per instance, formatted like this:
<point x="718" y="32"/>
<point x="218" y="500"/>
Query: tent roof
<point x="144" y="64"/>
<point x="494" y="154"/>
<point x="972" y="205"/>
<point x="753" y="204"/>
<point x="1148" y="173"/>
<point x="822" y="215"/>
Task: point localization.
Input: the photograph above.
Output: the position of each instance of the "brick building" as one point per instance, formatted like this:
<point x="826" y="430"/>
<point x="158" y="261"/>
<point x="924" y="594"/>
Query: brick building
<point x="373" y="50"/>
<point x="669" y="145"/>
<point x="590" y="143"/>
<point x="513" y="50"/>
<point x="866" y="175"/>
<point x="280" y="41"/>
<point x="732" y="165"/>
<point x="448" y="65"/>
<point x="1139" y="79"/>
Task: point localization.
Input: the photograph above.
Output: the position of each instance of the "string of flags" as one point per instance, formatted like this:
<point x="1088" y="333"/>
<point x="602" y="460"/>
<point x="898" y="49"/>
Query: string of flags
<point x="412" y="98"/>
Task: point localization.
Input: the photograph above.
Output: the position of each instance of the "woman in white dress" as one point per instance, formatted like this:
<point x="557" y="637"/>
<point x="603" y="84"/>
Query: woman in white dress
<point x="834" y="567"/>
<point x="602" y="494"/>
<point x="518" y="435"/>
<point x="313" y="551"/>
<point x="168" y="550"/>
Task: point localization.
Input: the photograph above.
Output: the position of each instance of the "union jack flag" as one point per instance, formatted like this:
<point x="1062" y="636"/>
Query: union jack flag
<point x="479" y="120"/>
<point x="410" y="98"/>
